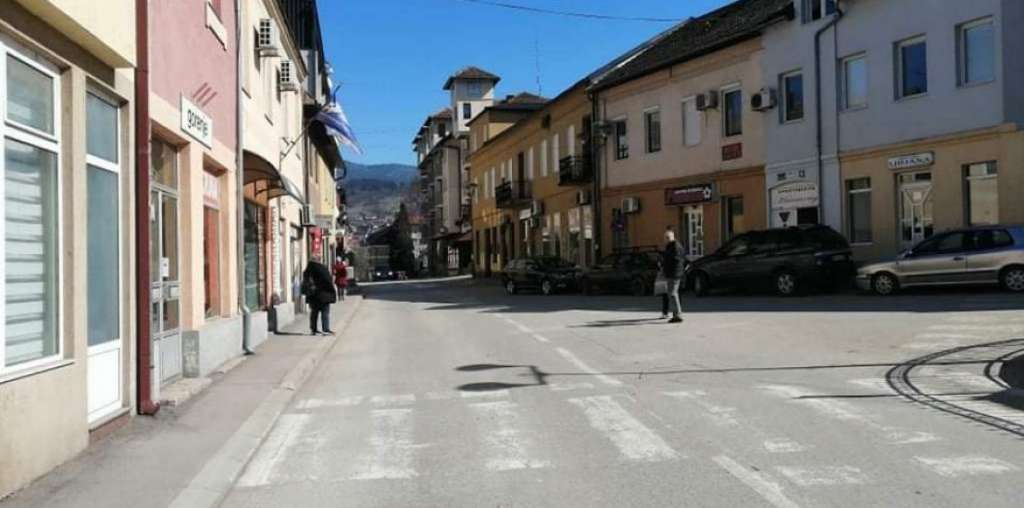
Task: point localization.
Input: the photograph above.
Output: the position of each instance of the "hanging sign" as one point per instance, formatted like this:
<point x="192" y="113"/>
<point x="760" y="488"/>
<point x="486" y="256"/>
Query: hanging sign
<point x="195" y="123"/>
<point x="689" y="194"/>
<point x="912" y="161"/>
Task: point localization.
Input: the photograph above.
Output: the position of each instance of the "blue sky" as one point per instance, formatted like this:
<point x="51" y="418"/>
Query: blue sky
<point x="393" y="56"/>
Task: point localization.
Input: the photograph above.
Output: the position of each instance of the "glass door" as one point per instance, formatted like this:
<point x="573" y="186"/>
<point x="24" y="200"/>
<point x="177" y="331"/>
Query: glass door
<point x="166" y="284"/>
<point x="916" y="209"/>
<point x="693" y="231"/>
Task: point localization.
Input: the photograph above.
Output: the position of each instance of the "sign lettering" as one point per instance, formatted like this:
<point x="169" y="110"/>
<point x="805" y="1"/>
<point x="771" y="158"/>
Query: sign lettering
<point x="912" y="161"/>
<point x="195" y="123"/>
<point x="688" y="195"/>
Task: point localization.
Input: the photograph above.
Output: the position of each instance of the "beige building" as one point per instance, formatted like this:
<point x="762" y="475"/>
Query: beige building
<point x="66" y="89"/>
<point x="682" y="145"/>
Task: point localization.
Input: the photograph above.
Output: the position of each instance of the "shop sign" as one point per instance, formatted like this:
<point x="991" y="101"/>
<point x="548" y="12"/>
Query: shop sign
<point x="733" y="151"/>
<point x="525" y="213"/>
<point x="195" y="123"/>
<point x="211" y="191"/>
<point x="689" y="195"/>
<point x="794" y="196"/>
<point x="912" y="161"/>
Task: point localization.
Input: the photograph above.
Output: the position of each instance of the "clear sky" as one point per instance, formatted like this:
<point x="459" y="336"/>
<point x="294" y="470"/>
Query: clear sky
<point x="393" y="56"/>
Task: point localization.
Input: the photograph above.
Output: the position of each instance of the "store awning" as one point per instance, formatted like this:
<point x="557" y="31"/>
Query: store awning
<point x="257" y="168"/>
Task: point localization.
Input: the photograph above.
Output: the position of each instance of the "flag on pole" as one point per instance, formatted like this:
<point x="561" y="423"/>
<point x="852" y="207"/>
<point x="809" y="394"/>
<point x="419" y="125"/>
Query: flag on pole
<point x="336" y="123"/>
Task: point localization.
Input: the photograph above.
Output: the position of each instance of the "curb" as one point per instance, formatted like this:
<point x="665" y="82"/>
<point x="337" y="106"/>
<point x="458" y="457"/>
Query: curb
<point x="215" y="480"/>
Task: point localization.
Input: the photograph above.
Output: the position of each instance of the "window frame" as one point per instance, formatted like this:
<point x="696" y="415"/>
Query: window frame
<point x="784" y="96"/>
<point x="961" y="52"/>
<point x="52" y="143"/>
<point x="649" y="145"/>
<point x="621" y="150"/>
<point x="827" y="8"/>
<point x="467" y="110"/>
<point x="723" y="92"/>
<point x="898" y="47"/>
<point x="850" y="192"/>
<point x="993" y="167"/>
<point x="844" y="82"/>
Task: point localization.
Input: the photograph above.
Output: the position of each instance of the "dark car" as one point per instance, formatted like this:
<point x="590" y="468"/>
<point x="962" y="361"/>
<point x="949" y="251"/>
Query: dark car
<point x="547" y="273"/>
<point x="784" y="260"/>
<point x="631" y="272"/>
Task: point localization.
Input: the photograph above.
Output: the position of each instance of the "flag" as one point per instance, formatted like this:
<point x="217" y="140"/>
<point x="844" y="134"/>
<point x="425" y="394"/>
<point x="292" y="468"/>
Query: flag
<point x="336" y="123"/>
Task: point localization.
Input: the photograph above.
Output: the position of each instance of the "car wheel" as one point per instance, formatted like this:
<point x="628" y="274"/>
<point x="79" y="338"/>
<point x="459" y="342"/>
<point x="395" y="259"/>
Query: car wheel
<point x="510" y="287"/>
<point x="701" y="284"/>
<point x="884" y="284"/>
<point x="547" y="287"/>
<point x="786" y="283"/>
<point x="1013" y="279"/>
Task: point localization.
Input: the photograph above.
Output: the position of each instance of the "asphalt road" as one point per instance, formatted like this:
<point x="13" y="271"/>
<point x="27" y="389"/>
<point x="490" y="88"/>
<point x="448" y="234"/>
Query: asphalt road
<point x="454" y="394"/>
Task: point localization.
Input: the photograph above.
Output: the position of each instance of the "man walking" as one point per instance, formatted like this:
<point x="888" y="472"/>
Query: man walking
<point x="318" y="286"/>
<point x="673" y="263"/>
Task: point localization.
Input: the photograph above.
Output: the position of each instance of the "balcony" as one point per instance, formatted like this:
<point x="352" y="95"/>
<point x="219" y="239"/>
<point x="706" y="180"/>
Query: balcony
<point x="575" y="170"/>
<point x="514" y="194"/>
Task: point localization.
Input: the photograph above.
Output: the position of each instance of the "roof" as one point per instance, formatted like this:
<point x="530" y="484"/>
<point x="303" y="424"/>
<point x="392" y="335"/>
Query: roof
<point x="470" y="72"/>
<point x="699" y="36"/>
<point x="521" y="102"/>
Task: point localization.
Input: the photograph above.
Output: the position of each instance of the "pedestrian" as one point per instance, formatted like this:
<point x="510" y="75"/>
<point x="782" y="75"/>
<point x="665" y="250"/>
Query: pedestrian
<point x="673" y="263"/>
<point x="318" y="286"/>
<point x="340" y="277"/>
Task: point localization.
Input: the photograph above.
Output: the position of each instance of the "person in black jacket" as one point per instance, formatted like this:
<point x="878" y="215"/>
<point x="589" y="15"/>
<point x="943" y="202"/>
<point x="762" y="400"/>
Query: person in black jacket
<point x="673" y="264"/>
<point x="318" y="286"/>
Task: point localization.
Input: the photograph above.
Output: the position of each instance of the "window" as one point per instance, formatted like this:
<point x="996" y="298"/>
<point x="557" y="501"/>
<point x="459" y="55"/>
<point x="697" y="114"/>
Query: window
<point x="988" y="239"/>
<point x="911" y="68"/>
<point x="474" y="89"/>
<point x="621" y="141"/>
<point x="652" y="130"/>
<point x="982" y="192"/>
<point x="734" y="220"/>
<point x="467" y="110"/>
<point x="103" y="235"/>
<point x="529" y="163"/>
<point x="858" y="204"/>
<point x="554" y="154"/>
<point x="792" y="96"/>
<point x="30" y="211"/>
<point x="854" y="84"/>
<point x="976" y="41"/>
<point x="442" y="129"/>
<point x="211" y="244"/>
<point x="942" y="244"/>
<point x="733" y="112"/>
<point x="815" y="9"/>
<point x="691" y="122"/>
<point x="544" y="158"/>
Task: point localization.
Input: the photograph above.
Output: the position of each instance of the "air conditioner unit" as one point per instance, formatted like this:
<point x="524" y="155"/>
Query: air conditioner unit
<point x="286" y="81"/>
<point x="306" y="216"/>
<point x="266" y="38"/>
<point x="537" y="208"/>
<point x="763" y="100"/>
<point x="630" y="205"/>
<point x="707" y="100"/>
<point x="583" y="197"/>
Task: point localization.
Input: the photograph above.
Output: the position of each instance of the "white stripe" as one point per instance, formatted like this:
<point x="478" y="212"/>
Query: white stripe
<point x="353" y="400"/>
<point x="392" y="444"/>
<point x="495" y="394"/>
<point x="953" y="467"/>
<point x="873" y="383"/>
<point x="393" y="400"/>
<point x="440" y="395"/>
<point x="758" y="482"/>
<point x="723" y="416"/>
<point x="634" y="440"/>
<point x="541" y="338"/>
<point x="507" y="447"/>
<point x="783" y="445"/>
<point x="828" y="475"/>
<point x="586" y="368"/>
<point x="263" y="467"/>
<point x="566" y="387"/>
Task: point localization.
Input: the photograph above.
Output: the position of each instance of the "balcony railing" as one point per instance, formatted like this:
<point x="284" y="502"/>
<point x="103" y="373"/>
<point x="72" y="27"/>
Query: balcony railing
<point x="512" y="194"/>
<point x="575" y="170"/>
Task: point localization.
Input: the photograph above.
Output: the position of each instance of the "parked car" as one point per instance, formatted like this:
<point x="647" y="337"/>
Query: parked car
<point x="981" y="255"/>
<point x="632" y="272"/>
<point x="548" y="274"/>
<point x="785" y="260"/>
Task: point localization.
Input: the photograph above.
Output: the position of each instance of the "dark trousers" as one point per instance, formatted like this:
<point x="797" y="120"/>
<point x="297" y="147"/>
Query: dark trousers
<point x="324" y="311"/>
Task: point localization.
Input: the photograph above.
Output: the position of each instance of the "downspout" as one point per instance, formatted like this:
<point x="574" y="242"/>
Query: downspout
<point x="144" y="341"/>
<point x="818" y="111"/>
<point x="595" y="152"/>
<point x="240" y="186"/>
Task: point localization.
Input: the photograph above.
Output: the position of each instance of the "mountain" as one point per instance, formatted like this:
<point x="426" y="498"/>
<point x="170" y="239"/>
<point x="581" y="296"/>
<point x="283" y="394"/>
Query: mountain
<point x="395" y="173"/>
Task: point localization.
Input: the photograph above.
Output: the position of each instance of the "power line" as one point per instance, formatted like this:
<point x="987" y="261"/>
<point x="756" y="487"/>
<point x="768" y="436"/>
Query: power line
<point x="570" y="13"/>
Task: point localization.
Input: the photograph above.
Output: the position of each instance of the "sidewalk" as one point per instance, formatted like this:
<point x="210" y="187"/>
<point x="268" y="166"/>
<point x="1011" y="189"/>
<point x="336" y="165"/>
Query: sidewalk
<point x="153" y="459"/>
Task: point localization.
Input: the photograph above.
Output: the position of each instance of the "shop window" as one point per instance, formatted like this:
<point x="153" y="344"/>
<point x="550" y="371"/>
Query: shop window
<point x="253" y="232"/>
<point x="163" y="164"/>
<point x="911" y="68"/>
<point x="858" y="212"/>
<point x="652" y="130"/>
<point x="211" y="261"/>
<point x="735" y="219"/>
<point x="621" y="140"/>
<point x="982" y="193"/>
<point x="31" y="214"/>
<point x="976" y="50"/>
<point x="854" y="83"/>
<point x="103" y="231"/>
<point x="733" y="112"/>
<point x="691" y="122"/>
<point x="792" y="96"/>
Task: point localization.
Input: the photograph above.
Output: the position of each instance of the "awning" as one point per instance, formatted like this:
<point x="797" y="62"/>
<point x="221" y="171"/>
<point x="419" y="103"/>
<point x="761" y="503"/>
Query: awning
<point x="257" y="168"/>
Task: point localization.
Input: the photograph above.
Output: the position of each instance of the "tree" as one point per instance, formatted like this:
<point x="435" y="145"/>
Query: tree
<point x="402" y="256"/>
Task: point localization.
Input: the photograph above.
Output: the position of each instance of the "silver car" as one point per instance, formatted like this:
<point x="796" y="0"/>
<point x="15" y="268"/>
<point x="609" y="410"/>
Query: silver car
<point x="979" y="255"/>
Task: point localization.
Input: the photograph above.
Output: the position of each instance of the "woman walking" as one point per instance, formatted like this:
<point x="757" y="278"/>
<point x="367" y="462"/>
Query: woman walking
<point x="340" y="277"/>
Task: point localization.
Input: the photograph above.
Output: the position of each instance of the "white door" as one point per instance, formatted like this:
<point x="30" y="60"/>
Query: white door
<point x="105" y="365"/>
<point x="916" y="213"/>
<point x="166" y="288"/>
<point x="693" y="223"/>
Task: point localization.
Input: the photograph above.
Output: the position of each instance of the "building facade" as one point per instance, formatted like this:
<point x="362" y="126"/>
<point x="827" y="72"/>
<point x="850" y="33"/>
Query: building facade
<point x="66" y="124"/>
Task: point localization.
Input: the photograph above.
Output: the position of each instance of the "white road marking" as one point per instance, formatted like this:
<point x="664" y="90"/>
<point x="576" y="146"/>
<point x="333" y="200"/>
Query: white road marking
<point x="393" y="400"/>
<point x="757" y="481"/>
<point x="392" y="444"/>
<point x="586" y="368"/>
<point x="947" y="335"/>
<point x="352" y="400"/>
<point x="974" y="318"/>
<point x="494" y="394"/>
<point x="979" y="328"/>
<point x="633" y="439"/>
<point x="506" y="444"/>
<point x="723" y="416"/>
<point x="826" y="475"/>
<point x="976" y="465"/>
<point x="876" y="384"/>
<point x="783" y="445"/>
<point x="541" y="338"/>
<point x="263" y="467"/>
<point x="566" y="387"/>
<point x="440" y="395"/>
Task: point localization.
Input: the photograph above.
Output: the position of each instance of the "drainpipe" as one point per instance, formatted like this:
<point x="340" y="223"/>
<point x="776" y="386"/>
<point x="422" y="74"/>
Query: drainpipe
<point x="240" y="186"/>
<point x="144" y="339"/>
<point x="595" y="165"/>
<point x="818" y="112"/>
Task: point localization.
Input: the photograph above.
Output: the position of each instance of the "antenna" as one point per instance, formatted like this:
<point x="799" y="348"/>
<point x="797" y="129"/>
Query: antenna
<point x="536" y="54"/>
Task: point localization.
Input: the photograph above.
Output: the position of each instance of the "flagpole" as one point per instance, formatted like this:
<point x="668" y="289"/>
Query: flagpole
<point x="305" y="127"/>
